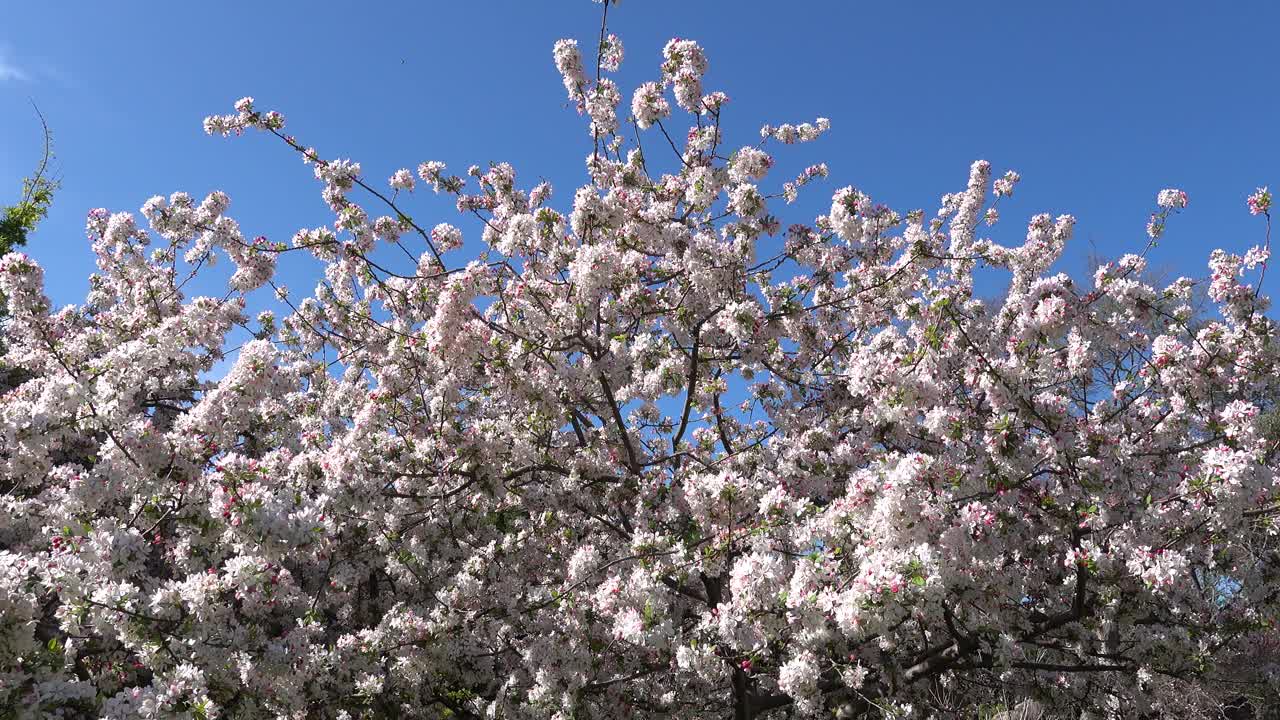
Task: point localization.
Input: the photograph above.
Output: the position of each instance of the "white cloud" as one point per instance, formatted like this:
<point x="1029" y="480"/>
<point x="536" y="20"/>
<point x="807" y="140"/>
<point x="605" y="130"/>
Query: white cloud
<point x="9" y="71"/>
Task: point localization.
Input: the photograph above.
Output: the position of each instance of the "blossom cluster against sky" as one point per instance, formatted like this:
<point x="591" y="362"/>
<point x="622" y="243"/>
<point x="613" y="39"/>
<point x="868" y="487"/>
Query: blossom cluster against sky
<point x="1098" y="106"/>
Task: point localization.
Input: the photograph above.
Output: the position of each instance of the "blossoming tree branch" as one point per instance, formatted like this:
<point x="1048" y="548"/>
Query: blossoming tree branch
<point x="626" y="464"/>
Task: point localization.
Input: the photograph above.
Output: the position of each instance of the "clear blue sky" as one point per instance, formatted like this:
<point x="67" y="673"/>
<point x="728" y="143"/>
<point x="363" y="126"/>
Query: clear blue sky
<point x="1097" y="104"/>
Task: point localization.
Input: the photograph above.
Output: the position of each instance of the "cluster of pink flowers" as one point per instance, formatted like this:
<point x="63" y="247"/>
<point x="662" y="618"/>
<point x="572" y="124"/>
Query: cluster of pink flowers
<point x="1260" y="202"/>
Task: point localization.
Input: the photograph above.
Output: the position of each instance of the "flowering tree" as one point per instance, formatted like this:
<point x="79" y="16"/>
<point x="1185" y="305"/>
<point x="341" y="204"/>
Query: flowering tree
<point x="627" y="464"/>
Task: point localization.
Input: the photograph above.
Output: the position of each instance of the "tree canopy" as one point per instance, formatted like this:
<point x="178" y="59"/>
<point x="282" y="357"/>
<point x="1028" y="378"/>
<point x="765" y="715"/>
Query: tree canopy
<point x="654" y="453"/>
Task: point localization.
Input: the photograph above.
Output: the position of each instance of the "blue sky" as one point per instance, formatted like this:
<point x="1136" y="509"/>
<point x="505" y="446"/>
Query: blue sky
<point x="1098" y="105"/>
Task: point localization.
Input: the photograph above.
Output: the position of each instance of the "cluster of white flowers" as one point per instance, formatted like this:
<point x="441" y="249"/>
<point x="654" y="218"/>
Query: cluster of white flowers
<point x="402" y="179"/>
<point x="568" y="61"/>
<point x="1003" y="187"/>
<point x="602" y="106"/>
<point x="648" y="105"/>
<point x="1171" y="199"/>
<point x="611" y="53"/>
<point x="244" y="118"/>
<point x="804" y="132"/>
<point x="630" y="457"/>
<point x="685" y="64"/>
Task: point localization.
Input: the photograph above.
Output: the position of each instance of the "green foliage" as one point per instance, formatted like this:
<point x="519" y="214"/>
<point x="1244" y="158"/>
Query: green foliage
<point x="18" y="221"/>
<point x="1269" y="426"/>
